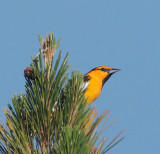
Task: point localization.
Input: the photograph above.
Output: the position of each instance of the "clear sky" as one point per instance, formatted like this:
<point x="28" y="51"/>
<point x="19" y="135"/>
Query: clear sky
<point x="117" y="33"/>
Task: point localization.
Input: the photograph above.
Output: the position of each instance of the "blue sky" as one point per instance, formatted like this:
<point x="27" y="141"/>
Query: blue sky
<point x="117" y="33"/>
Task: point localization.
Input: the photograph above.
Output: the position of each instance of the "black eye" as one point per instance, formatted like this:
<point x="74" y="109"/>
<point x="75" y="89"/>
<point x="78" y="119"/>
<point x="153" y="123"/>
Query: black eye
<point x="104" y="69"/>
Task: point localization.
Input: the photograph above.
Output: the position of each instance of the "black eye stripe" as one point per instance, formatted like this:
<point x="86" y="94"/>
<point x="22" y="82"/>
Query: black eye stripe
<point x="104" y="69"/>
<point x="101" y="69"/>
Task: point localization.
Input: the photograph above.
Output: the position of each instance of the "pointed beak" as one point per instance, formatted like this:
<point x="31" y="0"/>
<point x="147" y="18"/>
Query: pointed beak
<point x="113" y="70"/>
<point x="110" y="72"/>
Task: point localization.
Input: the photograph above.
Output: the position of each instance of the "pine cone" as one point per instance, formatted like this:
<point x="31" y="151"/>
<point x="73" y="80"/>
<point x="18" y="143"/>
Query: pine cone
<point x="28" y="72"/>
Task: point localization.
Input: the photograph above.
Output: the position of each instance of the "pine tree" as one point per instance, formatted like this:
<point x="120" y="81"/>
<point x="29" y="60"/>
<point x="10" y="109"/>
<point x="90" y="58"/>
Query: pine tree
<point x="52" y="116"/>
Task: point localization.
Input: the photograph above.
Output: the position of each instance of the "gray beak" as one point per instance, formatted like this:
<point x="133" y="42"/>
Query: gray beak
<point x="113" y="70"/>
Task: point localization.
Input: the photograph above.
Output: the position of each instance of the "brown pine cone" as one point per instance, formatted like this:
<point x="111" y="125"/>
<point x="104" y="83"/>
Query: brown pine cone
<point x="28" y="72"/>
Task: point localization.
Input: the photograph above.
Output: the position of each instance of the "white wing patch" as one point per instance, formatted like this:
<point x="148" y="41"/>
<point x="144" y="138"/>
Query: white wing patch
<point x="84" y="86"/>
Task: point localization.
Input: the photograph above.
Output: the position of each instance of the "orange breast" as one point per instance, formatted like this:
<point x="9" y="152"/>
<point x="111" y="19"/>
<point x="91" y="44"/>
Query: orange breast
<point x="94" y="89"/>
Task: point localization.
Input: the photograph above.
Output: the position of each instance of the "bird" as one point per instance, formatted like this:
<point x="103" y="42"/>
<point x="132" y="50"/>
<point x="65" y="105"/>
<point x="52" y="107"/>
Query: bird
<point x="94" y="81"/>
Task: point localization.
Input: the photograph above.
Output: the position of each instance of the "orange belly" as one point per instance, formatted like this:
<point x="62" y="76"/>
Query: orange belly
<point x="93" y="91"/>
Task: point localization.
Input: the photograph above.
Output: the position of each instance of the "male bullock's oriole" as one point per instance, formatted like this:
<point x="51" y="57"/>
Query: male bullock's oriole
<point x="94" y="81"/>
